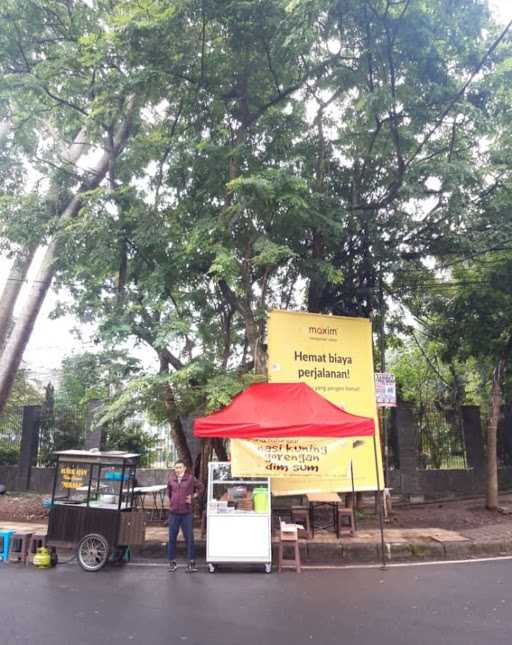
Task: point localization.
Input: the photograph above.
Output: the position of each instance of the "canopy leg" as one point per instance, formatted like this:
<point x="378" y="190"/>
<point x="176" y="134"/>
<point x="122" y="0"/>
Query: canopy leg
<point x="354" y="505"/>
<point x="379" y="506"/>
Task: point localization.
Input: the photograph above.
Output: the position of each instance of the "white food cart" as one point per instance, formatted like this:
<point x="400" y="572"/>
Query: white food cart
<point x="239" y="525"/>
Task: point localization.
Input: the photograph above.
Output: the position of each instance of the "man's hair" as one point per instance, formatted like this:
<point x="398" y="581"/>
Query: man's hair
<point x="180" y="462"/>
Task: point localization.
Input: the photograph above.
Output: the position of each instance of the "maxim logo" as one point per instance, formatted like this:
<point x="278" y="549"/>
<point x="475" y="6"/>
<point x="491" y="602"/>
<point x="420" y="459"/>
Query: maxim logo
<point x="322" y="331"/>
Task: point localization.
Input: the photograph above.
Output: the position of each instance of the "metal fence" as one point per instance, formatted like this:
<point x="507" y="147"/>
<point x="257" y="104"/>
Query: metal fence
<point x="61" y="428"/>
<point x="164" y="454"/>
<point x="64" y="426"/>
<point x="440" y="439"/>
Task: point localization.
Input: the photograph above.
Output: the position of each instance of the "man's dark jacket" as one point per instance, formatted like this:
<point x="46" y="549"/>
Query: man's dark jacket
<point x="178" y="492"/>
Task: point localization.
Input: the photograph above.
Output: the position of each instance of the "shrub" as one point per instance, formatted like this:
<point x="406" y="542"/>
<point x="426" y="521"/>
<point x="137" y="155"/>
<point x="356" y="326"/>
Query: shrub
<point x="8" y="455"/>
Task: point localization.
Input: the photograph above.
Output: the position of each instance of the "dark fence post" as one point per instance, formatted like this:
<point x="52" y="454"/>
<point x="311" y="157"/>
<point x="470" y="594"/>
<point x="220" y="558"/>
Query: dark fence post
<point x="93" y="437"/>
<point x="29" y="445"/>
<point x="473" y="438"/>
<point x="408" y="450"/>
<point x="504" y="436"/>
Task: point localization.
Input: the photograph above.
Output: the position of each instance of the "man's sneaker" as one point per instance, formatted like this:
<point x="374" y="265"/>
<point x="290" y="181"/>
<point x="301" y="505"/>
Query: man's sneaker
<point x="172" y="567"/>
<point x="192" y="568"/>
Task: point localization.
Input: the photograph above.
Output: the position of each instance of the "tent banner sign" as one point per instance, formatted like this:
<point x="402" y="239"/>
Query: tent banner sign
<point x="333" y="355"/>
<point x="290" y="457"/>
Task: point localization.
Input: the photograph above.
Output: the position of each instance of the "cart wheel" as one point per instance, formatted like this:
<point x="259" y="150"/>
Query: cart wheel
<point x="268" y="567"/>
<point x="93" y="552"/>
<point x="211" y="567"/>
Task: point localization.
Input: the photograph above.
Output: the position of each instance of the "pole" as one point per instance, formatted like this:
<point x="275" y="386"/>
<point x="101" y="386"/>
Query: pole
<point x="379" y="505"/>
<point x="386" y="451"/>
<point x="382" y="339"/>
<point x="354" y="505"/>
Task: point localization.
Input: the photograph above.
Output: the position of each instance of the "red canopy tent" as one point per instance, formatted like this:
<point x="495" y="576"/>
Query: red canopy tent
<point x="268" y="410"/>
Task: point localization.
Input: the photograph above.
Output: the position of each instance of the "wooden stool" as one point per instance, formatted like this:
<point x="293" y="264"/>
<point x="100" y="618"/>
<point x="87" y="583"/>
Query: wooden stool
<point x="288" y="537"/>
<point x="37" y="541"/>
<point x="300" y="515"/>
<point x="19" y="546"/>
<point x="277" y="516"/>
<point x="345" y="522"/>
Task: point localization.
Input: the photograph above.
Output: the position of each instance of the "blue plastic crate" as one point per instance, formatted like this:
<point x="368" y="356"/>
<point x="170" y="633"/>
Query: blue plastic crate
<point x="115" y="475"/>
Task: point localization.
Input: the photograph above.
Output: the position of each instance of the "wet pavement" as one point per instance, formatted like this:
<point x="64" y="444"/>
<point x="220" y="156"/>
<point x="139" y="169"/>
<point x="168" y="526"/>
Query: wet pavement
<point x="452" y="604"/>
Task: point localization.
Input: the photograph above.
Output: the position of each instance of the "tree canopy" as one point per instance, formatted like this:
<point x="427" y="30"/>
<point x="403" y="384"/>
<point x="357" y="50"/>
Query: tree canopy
<point x="190" y="164"/>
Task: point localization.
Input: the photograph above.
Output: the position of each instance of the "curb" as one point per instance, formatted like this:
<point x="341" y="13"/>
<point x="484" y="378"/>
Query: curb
<point x="358" y="552"/>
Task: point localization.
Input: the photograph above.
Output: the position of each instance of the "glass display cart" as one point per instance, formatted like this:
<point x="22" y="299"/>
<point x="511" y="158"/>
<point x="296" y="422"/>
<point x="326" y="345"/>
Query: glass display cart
<point x="92" y="506"/>
<point x="238" y="518"/>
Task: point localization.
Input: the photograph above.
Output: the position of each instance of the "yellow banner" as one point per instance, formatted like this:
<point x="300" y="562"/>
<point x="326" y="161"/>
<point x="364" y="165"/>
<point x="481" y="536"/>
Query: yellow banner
<point x="334" y="355"/>
<point x="290" y="457"/>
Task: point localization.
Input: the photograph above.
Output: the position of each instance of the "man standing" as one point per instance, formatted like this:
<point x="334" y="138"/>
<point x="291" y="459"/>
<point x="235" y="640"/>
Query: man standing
<point x="181" y="488"/>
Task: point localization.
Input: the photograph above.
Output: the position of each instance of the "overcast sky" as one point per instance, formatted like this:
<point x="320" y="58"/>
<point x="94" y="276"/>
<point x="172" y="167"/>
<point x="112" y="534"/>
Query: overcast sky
<point x="503" y="9"/>
<point x="53" y="339"/>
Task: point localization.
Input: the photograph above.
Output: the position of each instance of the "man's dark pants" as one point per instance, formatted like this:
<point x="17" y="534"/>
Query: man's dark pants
<point x="185" y="521"/>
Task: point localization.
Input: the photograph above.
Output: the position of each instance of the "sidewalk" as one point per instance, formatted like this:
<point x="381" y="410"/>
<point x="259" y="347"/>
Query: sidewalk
<point x="400" y="544"/>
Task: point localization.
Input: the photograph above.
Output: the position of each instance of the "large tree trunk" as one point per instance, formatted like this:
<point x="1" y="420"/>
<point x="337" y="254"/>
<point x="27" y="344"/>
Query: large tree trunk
<point x="255" y="340"/>
<point x="24" y="325"/>
<point x="177" y="432"/>
<point x="24" y="257"/>
<point x="11" y="291"/>
<point x="15" y="348"/>
<point x="205" y="455"/>
<point x="253" y="330"/>
<point x="492" y="431"/>
<point x="220" y="449"/>
<point x="76" y="148"/>
<point x="317" y="281"/>
<point x="5" y="128"/>
<point x="178" y="435"/>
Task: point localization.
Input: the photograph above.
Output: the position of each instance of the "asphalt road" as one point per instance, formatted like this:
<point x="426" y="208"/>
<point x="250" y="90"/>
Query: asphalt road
<point x="468" y="604"/>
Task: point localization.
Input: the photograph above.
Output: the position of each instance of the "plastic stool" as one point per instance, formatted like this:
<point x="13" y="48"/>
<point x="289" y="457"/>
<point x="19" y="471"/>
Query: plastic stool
<point x="37" y="541"/>
<point x="18" y="549"/>
<point x="5" y="537"/>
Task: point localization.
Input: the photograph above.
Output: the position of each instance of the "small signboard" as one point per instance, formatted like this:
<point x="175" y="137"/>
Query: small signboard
<point x="385" y="389"/>
<point x="72" y="476"/>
